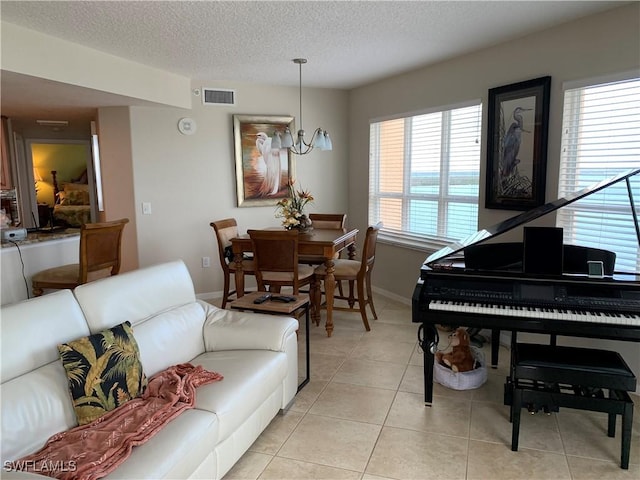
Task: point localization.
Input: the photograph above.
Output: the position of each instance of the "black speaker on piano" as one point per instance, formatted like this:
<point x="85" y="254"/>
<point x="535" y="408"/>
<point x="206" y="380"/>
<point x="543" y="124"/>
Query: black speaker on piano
<point x="542" y="250"/>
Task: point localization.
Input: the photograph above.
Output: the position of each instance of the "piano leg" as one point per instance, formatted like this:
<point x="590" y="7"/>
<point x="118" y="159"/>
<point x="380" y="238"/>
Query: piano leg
<point x="495" y="345"/>
<point x="427" y="340"/>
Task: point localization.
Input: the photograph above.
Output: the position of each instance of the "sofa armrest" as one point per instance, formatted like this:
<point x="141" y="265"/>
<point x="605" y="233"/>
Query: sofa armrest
<point x="241" y="330"/>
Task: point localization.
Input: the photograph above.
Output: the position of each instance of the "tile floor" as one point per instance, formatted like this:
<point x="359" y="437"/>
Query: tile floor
<point x="362" y="416"/>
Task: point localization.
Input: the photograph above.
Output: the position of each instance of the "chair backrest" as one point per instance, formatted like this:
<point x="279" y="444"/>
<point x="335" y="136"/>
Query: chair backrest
<point x="369" y="248"/>
<point x="328" y="220"/>
<point x="225" y="230"/>
<point x="275" y="251"/>
<point x="100" y="247"/>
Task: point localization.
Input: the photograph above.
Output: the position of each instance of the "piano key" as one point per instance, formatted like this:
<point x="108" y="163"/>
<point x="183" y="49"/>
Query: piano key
<point x="536" y="312"/>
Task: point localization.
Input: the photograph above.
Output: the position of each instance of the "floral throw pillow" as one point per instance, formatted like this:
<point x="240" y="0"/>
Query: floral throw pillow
<point x="104" y="371"/>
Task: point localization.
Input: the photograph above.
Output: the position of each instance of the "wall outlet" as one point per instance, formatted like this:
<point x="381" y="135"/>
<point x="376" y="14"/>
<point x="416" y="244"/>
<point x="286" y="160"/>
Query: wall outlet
<point x="146" y="208"/>
<point x="206" y="262"/>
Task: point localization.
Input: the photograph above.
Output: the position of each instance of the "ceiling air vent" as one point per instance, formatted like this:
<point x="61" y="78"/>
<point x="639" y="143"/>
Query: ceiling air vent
<point x="218" y="96"/>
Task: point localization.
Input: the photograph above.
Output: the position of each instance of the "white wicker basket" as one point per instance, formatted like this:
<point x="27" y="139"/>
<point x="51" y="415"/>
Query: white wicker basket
<point x="462" y="380"/>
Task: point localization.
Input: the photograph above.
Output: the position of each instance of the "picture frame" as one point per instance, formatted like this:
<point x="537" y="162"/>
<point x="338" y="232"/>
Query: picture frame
<point x="517" y="134"/>
<point x="261" y="182"/>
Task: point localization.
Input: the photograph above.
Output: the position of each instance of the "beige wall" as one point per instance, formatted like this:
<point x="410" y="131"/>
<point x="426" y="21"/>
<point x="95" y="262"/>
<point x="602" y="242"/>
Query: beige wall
<point x="114" y="137"/>
<point x="596" y="46"/>
<point x="190" y="179"/>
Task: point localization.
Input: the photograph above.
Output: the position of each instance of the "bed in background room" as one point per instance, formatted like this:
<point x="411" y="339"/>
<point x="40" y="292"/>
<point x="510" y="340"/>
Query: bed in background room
<point x="72" y="207"/>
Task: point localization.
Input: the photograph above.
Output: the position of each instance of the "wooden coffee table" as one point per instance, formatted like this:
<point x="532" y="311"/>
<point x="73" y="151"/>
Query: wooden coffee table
<point x="278" y="308"/>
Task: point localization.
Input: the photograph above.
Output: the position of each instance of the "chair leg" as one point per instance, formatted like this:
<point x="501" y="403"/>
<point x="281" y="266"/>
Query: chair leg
<point x="627" y="427"/>
<point x="611" y="427"/>
<point x="363" y="306"/>
<point x="515" y="418"/>
<point x="225" y="293"/>
<point x="370" y="296"/>
<point x="316" y="301"/>
<point x="351" y="300"/>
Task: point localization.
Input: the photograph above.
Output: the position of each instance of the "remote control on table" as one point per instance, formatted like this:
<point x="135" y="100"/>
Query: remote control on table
<point x="262" y="298"/>
<point x="284" y="299"/>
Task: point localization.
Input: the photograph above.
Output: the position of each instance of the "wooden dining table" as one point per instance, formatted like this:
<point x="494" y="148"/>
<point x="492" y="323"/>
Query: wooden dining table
<point x="323" y="243"/>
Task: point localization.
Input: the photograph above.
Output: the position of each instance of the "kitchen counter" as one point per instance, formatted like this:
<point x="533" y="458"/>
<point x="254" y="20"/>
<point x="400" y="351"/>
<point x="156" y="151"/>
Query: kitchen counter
<point x="39" y="251"/>
<point x="43" y="236"/>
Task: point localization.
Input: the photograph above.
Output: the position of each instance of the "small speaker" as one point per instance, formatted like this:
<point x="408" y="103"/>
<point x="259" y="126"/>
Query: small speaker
<point x="595" y="268"/>
<point x="542" y="250"/>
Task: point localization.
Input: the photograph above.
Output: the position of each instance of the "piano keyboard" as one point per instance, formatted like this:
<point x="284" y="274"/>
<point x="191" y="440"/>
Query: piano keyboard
<point x="612" y="318"/>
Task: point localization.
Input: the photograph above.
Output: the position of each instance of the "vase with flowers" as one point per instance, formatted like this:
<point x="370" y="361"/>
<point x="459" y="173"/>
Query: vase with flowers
<point x="291" y="209"/>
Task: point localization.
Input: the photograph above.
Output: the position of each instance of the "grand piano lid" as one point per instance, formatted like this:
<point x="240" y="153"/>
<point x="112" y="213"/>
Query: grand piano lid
<point x="528" y="216"/>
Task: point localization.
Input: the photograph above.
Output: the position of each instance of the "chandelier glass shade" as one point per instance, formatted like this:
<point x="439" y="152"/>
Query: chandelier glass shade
<point x="299" y="145"/>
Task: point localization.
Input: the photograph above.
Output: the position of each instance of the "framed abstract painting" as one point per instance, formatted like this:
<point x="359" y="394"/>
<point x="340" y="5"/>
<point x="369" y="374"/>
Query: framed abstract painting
<point x="262" y="171"/>
<point x="518" y="125"/>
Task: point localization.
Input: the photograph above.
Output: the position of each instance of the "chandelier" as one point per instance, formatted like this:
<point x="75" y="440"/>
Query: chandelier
<point x="320" y="138"/>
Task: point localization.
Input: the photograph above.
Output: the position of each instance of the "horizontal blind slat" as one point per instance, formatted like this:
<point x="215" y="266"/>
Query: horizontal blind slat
<point x="424" y="175"/>
<point x="601" y="137"/>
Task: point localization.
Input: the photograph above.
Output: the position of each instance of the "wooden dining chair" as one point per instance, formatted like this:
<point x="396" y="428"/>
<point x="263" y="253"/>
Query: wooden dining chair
<point x="355" y="272"/>
<point x="328" y="220"/>
<point x="100" y="254"/>
<point x="275" y="254"/>
<point x="225" y="230"/>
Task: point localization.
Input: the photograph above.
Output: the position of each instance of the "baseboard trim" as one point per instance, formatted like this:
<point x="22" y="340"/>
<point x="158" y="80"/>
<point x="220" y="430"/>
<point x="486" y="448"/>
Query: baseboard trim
<point x="392" y="296"/>
<point x="209" y="296"/>
<point x="206" y="296"/>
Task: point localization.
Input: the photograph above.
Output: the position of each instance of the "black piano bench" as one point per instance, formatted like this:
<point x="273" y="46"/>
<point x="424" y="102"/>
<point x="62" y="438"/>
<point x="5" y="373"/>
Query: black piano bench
<point x="548" y="377"/>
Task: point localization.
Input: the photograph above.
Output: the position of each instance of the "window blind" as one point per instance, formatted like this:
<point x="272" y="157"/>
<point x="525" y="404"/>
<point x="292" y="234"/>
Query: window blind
<point x="601" y="138"/>
<point x="424" y="176"/>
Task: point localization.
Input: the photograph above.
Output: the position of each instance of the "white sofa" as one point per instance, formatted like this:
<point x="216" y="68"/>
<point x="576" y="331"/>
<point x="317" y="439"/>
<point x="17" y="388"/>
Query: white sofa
<point x="256" y="354"/>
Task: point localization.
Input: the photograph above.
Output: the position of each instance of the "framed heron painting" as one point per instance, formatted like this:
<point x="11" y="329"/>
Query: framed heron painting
<point x="518" y="125"/>
<point x="263" y="167"/>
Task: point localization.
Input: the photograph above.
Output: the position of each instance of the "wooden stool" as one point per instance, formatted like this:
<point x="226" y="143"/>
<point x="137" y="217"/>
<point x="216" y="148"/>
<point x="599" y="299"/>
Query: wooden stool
<point x="548" y="377"/>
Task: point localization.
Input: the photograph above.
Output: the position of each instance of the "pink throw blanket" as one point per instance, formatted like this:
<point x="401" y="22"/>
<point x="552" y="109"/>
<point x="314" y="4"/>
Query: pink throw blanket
<point x="92" y="451"/>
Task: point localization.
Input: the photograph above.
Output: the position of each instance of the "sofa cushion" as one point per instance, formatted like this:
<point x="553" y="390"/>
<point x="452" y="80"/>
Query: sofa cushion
<point x="135" y="296"/>
<point x="35" y="406"/>
<point x="175" y="451"/>
<point x="171" y="337"/>
<point x="250" y="377"/>
<point x="46" y="321"/>
<point x="104" y="371"/>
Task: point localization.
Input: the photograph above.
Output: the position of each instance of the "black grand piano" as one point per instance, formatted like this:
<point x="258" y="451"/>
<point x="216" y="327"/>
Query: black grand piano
<point x="481" y="283"/>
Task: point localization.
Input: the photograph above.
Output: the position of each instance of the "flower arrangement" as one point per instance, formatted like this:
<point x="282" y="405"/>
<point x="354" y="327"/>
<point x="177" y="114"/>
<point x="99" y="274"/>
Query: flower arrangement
<point x="291" y="209"/>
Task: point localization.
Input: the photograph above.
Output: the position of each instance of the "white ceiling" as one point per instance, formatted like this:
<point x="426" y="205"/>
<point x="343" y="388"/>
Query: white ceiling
<point x="347" y="43"/>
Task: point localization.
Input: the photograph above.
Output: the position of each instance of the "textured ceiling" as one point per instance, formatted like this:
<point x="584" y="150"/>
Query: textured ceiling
<point x="347" y="43"/>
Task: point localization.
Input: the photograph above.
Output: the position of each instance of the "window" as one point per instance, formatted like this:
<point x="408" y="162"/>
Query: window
<point x="601" y="137"/>
<point x="424" y="176"/>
